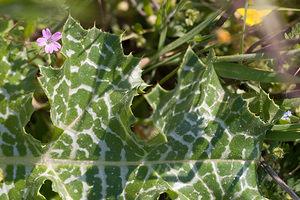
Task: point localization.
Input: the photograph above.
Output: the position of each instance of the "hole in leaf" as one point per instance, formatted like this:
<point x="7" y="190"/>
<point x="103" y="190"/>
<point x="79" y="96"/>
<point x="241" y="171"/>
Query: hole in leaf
<point x="129" y="46"/>
<point x="1" y="175"/>
<point x="40" y="126"/>
<point x="145" y="130"/>
<point x="160" y="74"/>
<point x="164" y="196"/>
<point x="47" y="191"/>
<point x="40" y="99"/>
<point x="38" y="74"/>
<point x="59" y="60"/>
<point x="144" y="127"/>
<point x="140" y="107"/>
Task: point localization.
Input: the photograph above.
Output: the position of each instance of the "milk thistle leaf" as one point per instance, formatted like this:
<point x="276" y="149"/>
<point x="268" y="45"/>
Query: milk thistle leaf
<point x="213" y="140"/>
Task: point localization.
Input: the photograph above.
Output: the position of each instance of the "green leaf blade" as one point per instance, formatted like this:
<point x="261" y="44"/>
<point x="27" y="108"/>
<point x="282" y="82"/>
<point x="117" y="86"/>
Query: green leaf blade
<point x="213" y="140"/>
<point x="89" y="98"/>
<point x="209" y="126"/>
<point x="16" y="146"/>
<point x="241" y="72"/>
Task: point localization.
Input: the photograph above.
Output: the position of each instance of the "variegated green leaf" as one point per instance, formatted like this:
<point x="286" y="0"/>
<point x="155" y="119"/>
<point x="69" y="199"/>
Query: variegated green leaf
<point x="213" y="140"/>
<point x="16" y="84"/>
<point x="262" y="105"/>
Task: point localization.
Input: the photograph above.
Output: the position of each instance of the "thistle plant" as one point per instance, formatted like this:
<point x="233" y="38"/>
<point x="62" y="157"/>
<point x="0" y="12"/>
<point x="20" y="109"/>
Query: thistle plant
<point x="181" y="117"/>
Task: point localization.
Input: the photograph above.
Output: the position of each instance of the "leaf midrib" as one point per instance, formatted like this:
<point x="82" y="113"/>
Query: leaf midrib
<point x="50" y="161"/>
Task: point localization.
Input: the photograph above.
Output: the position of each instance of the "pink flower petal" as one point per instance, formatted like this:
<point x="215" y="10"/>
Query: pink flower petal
<point x="48" y="48"/>
<point x="57" y="45"/>
<point x="41" y="41"/>
<point x="46" y="33"/>
<point x="54" y="47"/>
<point x="49" y="41"/>
<point x="56" y="36"/>
<point x="42" y="44"/>
<point x="51" y="49"/>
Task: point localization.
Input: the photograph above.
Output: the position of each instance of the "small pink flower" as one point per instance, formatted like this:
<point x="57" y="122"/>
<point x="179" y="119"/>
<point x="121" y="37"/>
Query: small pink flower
<point x="49" y="41"/>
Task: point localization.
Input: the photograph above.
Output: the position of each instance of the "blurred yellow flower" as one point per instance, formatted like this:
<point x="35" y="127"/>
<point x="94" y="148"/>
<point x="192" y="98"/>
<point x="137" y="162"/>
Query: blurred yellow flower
<point x="224" y="36"/>
<point x="253" y="16"/>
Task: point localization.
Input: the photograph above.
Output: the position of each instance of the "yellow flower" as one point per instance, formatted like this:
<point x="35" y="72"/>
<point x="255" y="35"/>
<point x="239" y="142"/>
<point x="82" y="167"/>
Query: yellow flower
<point x="224" y="36"/>
<point x="253" y="16"/>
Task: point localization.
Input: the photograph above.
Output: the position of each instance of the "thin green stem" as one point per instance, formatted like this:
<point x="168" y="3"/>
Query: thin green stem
<point x="134" y="35"/>
<point x="49" y="58"/>
<point x="162" y="81"/>
<point x="137" y="102"/>
<point x="164" y="27"/>
<point x="244" y="29"/>
<point x="33" y="58"/>
<point x="253" y="56"/>
<point x="188" y="36"/>
<point x="207" y="48"/>
<point x="232" y="58"/>
<point x="130" y="36"/>
<point x="177" y="55"/>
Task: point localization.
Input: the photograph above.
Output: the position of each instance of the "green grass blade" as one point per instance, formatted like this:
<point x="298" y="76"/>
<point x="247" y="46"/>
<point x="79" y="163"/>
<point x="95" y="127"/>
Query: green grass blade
<point x="288" y="9"/>
<point x="147" y="8"/>
<point x="254" y="56"/>
<point x="283" y="136"/>
<point x="176" y="56"/>
<point x="163" y="35"/>
<point x="288" y="103"/>
<point x="188" y="36"/>
<point x="165" y="18"/>
<point x="170" y="58"/>
<point x="164" y="27"/>
<point x="178" y="8"/>
<point x="241" y="72"/>
<point x="286" y="127"/>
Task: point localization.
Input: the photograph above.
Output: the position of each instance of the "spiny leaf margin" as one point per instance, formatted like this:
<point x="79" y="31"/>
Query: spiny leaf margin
<point x="132" y="170"/>
<point x="209" y="125"/>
